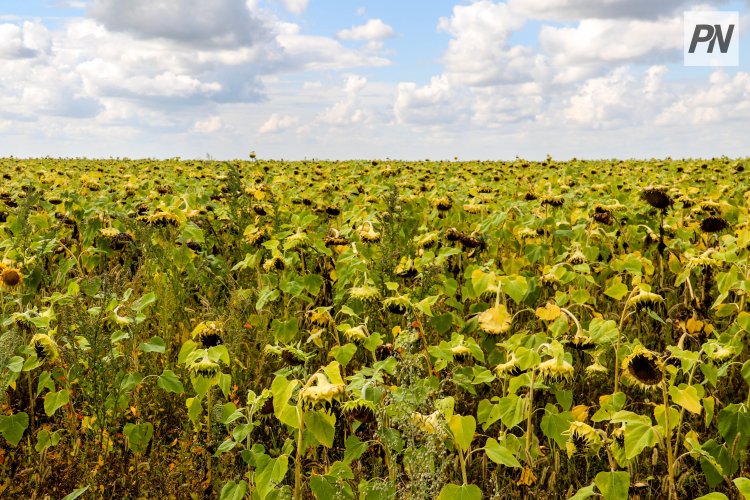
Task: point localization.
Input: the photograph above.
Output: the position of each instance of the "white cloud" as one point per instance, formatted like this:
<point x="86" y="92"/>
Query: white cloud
<point x="196" y="22"/>
<point x="31" y="39"/>
<point x="209" y="125"/>
<point x="572" y="10"/>
<point x="437" y="103"/>
<point x="373" y="29"/>
<point x="349" y="110"/>
<point x="724" y="99"/>
<point x="278" y="123"/>
<point x="295" y="6"/>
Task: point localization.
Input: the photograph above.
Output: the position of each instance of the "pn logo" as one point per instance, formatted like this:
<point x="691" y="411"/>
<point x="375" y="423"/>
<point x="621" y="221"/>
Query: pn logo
<point x="711" y="38"/>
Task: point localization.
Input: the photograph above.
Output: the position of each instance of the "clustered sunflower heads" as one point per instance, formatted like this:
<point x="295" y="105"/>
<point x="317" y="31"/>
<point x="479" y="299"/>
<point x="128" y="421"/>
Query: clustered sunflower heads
<point x="495" y="320"/>
<point x="365" y="293"/>
<point x="582" y="439"/>
<point x="44" y="347"/>
<point x="368" y="234"/>
<point x="162" y="219"/>
<point x="556" y="369"/>
<point x="714" y="224"/>
<point x="360" y="409"/>
<point x="10" y="278"/>
<point x="657" y="197"/>
<point x="643" y="368"/>
<point x="208" y="333"/>
<point x="205" y="369"/>
<point x="321" y="391"/>
<point x="398" y="304"/>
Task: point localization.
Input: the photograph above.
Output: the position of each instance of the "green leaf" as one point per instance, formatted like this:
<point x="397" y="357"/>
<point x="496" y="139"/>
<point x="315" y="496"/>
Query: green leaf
<point x="233" y="491"/>
<point x="500" y="454"/>
<point x="138" y="435"/>
<point x="617" y="290"/>
<point x="156" y="344"/>
<point x="169" y="382"/>
<point x="583" y="493"/>
<point x="603" y="331"/>
<point x="462" y="428"/>
<point x="511" y="409"/>
<point x="12" y="427"/>
<point x="354" y="449"/>
<point x="516" y="287"/>
<point x="269" y="472"/>
<point x="322" y="425"/>
<point x="143" y="302"/>
<point x="75" y="494"/>
<point x="15" y="364"/>
<point x="639" y="434"/>
<point x="456" y="492"/>
<point x="46" y="440"/>
<point x="284" y="331"/>
<point x="613" y="485"/>
<point x="343" y="354"/>
<point x="195" y="409"/>
<point x="743" y="484"/>
<point x="734" y="420"/>
<point x="282" y="390"/>
<point x="45" y="382"/>
<point x="554" y="424"/>
<point x="54" y="400"/>
<point x="743" y="319"/>
<point x="713" y="496"/>
<point x="687" y="397"/>
<point x="225" y="446"/>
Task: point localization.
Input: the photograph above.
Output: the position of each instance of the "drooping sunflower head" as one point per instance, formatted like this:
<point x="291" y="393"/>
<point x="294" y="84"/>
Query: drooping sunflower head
<point x="657" y="197"/>
<point x="368" y="234"/>
<point x="596" y="369"/>
<point x="322" y="390"/>
<point x="297" y="240"/>
<point x="495" y="320"/>
<point x="643" y="368"/>
<point x="320" y="316"/>
<point x="11" y="278"/>
<point x="405" y="268"/>
<point x="453" y="234"/>
<point x="509" y="368"/>
<point x="582" y="439"/>
<point x="442" y="203"/>
<point x="556" y="369"/>
<point x="365" y="293"/>
<point x="205" y="369"/>
<point x="460" y="352"/>
<point x="427" y="240"/>
<point x="162" y="219"/>
<point x="208" y="334"/>
<point x="360" y="409"/>
<point x="398" y="304"/>
<point x="576" y="258"/>
<point x="357" y="333"/>
<point x="254" y="235"/>
<point x="276" y="262"/>
<point x="44" y="347"/>
<point x="553" y="200"/>
<point x="644" y="299"/>
<point x="714" y="224"/>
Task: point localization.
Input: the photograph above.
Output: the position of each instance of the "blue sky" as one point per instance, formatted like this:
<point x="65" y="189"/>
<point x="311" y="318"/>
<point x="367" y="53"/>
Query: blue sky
<point x="364" y="79"/>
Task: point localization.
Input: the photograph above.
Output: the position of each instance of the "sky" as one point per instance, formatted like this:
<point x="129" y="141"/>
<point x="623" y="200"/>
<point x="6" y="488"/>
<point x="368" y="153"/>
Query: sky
<point x="354" y="79"/>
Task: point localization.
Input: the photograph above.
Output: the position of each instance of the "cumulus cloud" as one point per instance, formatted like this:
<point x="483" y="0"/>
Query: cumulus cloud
<point x="31" y="39"/>
<point x="196" y="22"/>
<point x="571" y="10"/>
<point x="349" y="110"/>
<point x="209" y="125"/>
<point x="295" y="6"/>
<point x="278" y="123"/>
<point x="437" y="103"/>
<point x="374" y="29"/>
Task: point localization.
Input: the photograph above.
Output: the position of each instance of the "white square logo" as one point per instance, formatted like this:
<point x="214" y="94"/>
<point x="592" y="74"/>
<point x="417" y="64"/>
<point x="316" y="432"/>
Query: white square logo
<point x="711" y="38"/>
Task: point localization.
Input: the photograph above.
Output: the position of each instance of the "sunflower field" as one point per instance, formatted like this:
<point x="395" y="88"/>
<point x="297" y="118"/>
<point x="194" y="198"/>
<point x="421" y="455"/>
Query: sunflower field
<point x="374" y="329"/>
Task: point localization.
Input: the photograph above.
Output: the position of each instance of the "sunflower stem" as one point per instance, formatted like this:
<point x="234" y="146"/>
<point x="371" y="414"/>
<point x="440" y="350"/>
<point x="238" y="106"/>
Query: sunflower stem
<point x="31" y="402"/>
<point x="462" y="459"/>
<point x="617" y="341"/>
<point x="529" y="423"/>
<point x="668" y="435"/>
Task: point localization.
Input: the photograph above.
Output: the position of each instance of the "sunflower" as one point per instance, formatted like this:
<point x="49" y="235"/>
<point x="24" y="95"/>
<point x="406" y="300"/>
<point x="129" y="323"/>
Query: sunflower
<point x="204" y="369"/>
<point x="577" y="258"/>
<point x="643" y="368"/>
<point x="360" y="409"/>
<point x="275" y="262"/>
<point x="427" y="240"/>
<point x="254" y="235"/>
<point x="714" y="224"/>
<point x="495" y="320"/>
<point x="405" y="268"/>
<point x="453" y="234"/>
<point x="322" y="391"/>
<point x="321" y="317"/>
<point x="657" y="197"/>
<point x="556" y="369"/>
<point x="163" y="219"/>
<point x="510" y="368"/>
<point x="460" y="352"/>
<point x="10" y="278"/>
<point x="297" y="240"/>
<point x="553" y="200"/>
<point x="596" y="369"/>
<point x="582" y="439"/>
<point x="208" y="333"/>
<point x="356" y="333"/>
<point x="365" y="293"/>
<point x="44" y="347"/>
<point x="368" y="234"/>
<point x="644" y="299"/>
<point x="398" y="304"/>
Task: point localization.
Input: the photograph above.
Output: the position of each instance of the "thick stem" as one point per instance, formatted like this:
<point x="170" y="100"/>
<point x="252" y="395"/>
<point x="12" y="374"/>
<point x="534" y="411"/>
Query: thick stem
<point x="529" y="423"/>
<point x="668" y="438"/>
<point x="462" y="459"/>
<point x="298" y="458"/>
<point x="208" y="433"/>
<point x="31" y="402"/>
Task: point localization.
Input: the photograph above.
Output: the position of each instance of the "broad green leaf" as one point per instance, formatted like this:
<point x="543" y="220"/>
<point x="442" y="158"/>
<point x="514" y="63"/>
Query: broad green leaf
<point x="343" y="354"/>
<point x="743" y="485"/>
<point x="321" y="425"/>
<point x="465" y="492"/>
<point x="143" y="302"/>
<point x="554" y="424"/>
<point x="354" y="449"/>
<point x="743" y="319"/>
<point x="462" y="428"/>
<point x="54" y="400"/>
<point x="15" y="364"/>
<point x="284" y="331"/>
<point x="617" y="289"/>
<point x="156" y="344"/>
<point x="713" y="496"/>
<point x="584" y="493"/>
<point x="233" y="491"/>
<point x="516" y="287"/>
<point x="613" y="485"/>
<point x="225" y="446"/>
<point x="511" y="409"/>
<point x="169" y="382"/>
<point x="734" y="420"/>
<point x="269" y="472"/>
<point x="46" y="439"/>
<point x="282" y="390"/>
<point x="500" y="454"/>
<point x="45" y="382"/>
<point x="138" y="435"/>
<point x="603" y="331"/>
<point x="687" y="397"/>
<point x="195" y="409"/>
<point x="12" y="427"/>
